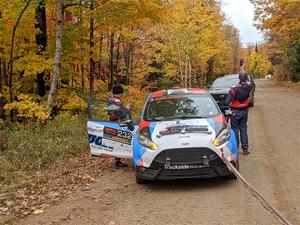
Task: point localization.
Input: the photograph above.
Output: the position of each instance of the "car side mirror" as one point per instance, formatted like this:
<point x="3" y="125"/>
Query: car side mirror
<point x="112" y="107"/>
<point x="127" y="123"/>
<point x="117" y="109"/>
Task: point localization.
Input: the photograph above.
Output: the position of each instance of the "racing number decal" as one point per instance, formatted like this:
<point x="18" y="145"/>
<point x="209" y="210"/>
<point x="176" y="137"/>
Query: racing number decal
<point x="117" y="135"/>
<point x="95" y="139"/>
<point x="125" y="134"/>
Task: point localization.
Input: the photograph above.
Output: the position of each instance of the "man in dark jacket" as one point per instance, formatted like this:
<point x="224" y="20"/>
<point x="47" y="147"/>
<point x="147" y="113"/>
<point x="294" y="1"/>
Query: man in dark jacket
<point x="117" y="94"/>
<point x="238" y="99"/>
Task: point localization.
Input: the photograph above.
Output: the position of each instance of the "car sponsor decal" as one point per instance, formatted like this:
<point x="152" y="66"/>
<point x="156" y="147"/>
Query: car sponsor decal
<point x="117" y="135"/>
<point x="97" y="142"/>
<point x="107" y="145"/>
<point x="183" y="129"/>
<point x="185" y="166"/>
<point x="166" y="97"/>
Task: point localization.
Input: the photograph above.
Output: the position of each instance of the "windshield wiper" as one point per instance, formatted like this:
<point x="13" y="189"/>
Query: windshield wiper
<point x="191" y="117"/>
<point x="161" y="118"/>
<point x="184" y="117"/>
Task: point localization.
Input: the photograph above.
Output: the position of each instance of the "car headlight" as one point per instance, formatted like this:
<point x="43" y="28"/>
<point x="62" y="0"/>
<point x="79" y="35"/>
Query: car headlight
<point x="147" y="142"/>
<point x="223" y="137"/>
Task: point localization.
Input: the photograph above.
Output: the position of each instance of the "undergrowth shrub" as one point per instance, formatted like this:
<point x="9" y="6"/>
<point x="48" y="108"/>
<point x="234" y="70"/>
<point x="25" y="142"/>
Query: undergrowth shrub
<point x="28" y="109"/>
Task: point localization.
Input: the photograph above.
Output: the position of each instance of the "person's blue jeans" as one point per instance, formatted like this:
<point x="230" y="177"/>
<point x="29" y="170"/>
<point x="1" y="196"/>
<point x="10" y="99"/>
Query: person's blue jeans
<point x="239" y="126"/>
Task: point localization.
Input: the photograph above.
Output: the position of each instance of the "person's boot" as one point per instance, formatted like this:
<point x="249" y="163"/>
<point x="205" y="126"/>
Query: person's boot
<point x="119" y="164"/>
<point x="246" y="152"/>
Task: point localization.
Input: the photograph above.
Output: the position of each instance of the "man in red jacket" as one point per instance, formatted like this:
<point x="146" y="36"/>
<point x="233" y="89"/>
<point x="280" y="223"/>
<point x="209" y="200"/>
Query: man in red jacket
<point x="117" y="94"/>
<point x="238" y="99"/>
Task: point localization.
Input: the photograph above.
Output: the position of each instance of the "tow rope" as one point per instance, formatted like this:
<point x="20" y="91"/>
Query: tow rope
<point x="267" y="205"/>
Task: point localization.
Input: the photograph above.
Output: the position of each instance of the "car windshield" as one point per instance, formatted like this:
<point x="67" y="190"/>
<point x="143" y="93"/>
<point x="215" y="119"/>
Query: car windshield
<point x="225" y="82"/>
<point x="180" y="107"/>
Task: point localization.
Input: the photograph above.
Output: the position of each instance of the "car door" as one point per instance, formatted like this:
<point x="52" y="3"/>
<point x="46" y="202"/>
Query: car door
<point x="111" y="139"/>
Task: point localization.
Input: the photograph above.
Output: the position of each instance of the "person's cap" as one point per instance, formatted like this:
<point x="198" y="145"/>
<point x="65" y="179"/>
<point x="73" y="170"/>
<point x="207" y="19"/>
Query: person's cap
<point x="243" y="76"/>
<point x="118" y="89"/>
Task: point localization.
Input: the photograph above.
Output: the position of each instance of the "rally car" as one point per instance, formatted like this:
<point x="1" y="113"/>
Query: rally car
<point x="181" y="133"/>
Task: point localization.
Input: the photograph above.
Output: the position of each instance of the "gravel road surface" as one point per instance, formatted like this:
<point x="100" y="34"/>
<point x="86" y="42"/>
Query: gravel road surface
<point x="273" y="168"/>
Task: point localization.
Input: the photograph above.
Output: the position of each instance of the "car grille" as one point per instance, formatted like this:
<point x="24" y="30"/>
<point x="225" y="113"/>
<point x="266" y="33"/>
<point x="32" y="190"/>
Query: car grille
<point x="188" y="156"/>
<point x="184" y="155"/>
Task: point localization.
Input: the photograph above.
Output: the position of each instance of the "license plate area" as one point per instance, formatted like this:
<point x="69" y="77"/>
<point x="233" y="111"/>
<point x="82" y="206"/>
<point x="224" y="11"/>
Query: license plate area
<point x="186" y="166"/>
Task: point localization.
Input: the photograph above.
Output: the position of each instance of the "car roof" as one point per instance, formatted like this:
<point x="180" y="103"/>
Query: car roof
<point x="179" y="91"/>
<point x="231" y="76"/>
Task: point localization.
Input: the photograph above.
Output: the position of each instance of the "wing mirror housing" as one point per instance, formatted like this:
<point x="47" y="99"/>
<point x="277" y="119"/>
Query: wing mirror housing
<point x="119" y="110"/>
<point x="113" y="107"/>
<point x="127" y="123"/>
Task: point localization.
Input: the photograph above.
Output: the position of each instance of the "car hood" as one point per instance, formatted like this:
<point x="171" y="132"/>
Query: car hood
<point x="172" y="134"/>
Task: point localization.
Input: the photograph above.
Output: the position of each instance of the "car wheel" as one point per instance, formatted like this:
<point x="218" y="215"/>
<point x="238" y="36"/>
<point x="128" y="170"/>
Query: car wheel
<point x="139" y="180"/>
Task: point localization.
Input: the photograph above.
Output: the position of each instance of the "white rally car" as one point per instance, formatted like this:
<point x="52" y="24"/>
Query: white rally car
<point x="181" y="134"/>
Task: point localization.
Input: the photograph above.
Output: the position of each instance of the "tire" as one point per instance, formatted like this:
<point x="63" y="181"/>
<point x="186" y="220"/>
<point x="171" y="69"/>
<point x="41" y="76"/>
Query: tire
<point x="139" y="180"/>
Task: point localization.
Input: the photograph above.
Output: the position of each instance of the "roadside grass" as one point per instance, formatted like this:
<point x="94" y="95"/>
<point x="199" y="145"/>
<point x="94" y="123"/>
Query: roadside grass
<point x="28" y="150"/>
<point x="39" y="163"/>
<point x="289" y="84"/>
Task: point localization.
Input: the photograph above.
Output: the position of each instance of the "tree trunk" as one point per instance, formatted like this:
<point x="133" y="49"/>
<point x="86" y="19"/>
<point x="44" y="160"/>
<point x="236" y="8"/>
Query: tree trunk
<point x="179" y="62"/>
<point x="5" y="77"/>
<point x="186" y="70"/>
<point x="41" y="41"/>
<point x="92" y="66"/>
<point x="2" y="113"/>
<point x="11" y="58"/>
<point x="1" y="76"/>
<point x="101" y="75"/>
<point x="82" y="77"/>
<point x="117" y="57"/>
<point x="131" y="65"/>
<point x="126" y="55"/>
<point x="58" y="51"/>
<point x="111" y="61"/>
<point x="190" y="72"/>
<point x="210" y="71"/>
<point x="80" y="24"/>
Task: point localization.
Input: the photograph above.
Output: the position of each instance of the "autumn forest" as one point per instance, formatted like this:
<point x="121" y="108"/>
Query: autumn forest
<point x="56" y="54"/>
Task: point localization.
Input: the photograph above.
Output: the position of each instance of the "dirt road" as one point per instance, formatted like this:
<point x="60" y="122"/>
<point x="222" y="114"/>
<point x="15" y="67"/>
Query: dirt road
<point x="273" y="168"/>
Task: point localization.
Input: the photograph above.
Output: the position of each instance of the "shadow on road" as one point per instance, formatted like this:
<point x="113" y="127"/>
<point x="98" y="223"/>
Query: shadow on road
<point x="190" y="184"/>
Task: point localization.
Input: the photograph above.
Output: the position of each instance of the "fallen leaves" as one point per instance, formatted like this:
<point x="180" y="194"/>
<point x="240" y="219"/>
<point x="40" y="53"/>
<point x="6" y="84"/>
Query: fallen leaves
<point x="37" y="211"/>
<point x="61" y="181"/>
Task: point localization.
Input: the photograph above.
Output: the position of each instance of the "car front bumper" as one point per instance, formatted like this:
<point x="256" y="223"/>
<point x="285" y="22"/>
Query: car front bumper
<point x="184" y="163"/>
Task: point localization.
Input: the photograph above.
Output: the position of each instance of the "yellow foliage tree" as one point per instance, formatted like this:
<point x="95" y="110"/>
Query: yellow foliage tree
<point x="259" y="65"/>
